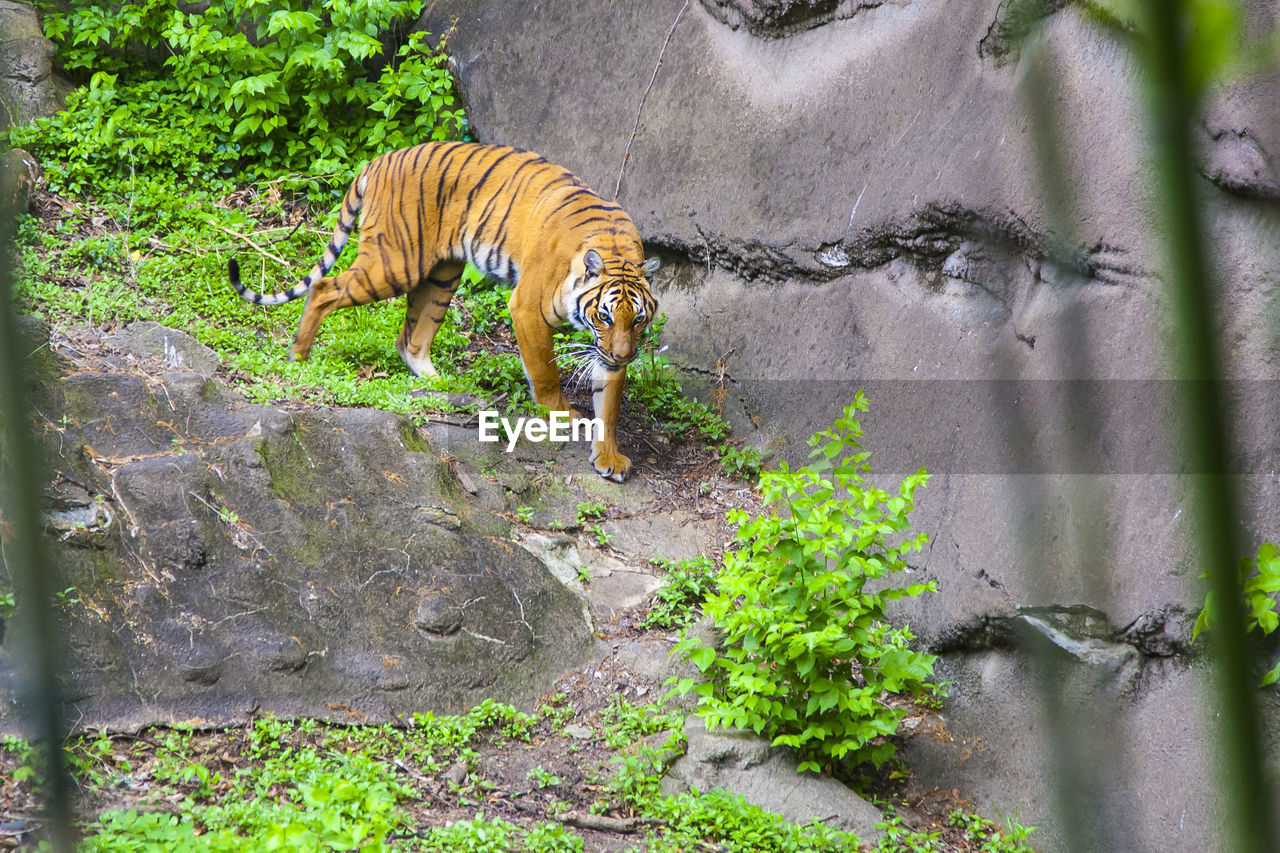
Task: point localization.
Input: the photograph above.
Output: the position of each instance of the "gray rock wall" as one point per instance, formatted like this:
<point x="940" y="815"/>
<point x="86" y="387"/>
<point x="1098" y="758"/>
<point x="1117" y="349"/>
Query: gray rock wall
<point x="28" y="86"/>
<point x="848" y="196"/>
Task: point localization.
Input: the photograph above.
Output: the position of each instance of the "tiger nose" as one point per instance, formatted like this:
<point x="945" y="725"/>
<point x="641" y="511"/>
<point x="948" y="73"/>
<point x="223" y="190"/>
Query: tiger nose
<point x="624" y="351"/>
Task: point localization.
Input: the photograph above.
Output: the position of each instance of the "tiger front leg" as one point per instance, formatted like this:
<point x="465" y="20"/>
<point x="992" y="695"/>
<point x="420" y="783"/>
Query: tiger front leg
<point x="534" y="338"/>
<point x="606" y="399"/>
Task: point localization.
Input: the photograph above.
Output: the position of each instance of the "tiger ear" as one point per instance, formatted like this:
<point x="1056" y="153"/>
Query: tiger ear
<point x="593" y="261"/>
<point x="651" y="266"/>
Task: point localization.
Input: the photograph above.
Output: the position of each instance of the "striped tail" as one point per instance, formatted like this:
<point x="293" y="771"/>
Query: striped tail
<point x="351" y="205"/>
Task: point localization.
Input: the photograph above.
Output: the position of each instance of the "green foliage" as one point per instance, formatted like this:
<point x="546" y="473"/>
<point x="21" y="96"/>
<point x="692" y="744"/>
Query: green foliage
<point x="718" y="816"/>
<point x="542" y="778"/>
<point x="1011" y="837"/>
<point x="589" y="511"/>
<point x="278" y="85"/>
<point x="808" y="654"/>
<point x="1259" y="578"/>
<point x="742" y="462"/>
<point x="625" y="723"/>
<point x="551" y="838"/>
<point x="652" y="382"/>
<point x="677" y="602"/>
<point x="486" y="298"/>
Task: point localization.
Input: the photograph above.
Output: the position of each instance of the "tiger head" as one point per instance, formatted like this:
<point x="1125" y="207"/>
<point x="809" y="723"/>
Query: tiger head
<point x="616" y="305"/>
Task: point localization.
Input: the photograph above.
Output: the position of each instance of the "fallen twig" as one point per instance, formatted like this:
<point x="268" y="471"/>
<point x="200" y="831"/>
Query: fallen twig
<point x="245" y="238"/>
<point x="600" y="823"/>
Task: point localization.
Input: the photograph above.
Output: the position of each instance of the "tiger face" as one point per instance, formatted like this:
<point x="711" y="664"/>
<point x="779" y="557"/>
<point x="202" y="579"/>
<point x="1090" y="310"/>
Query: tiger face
<point x="616" y="305"/>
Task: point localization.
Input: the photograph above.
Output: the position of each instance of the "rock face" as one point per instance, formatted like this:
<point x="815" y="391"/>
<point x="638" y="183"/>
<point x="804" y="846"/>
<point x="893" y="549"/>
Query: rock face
<point x="849" y="195"/>
<point x="226" y="558"/>
<point x="28" y="88"/>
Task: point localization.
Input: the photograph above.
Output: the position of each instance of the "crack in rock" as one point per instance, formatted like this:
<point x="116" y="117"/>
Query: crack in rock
<point x="1014" y="20"/>
<point x="1083" y="632"/>
<point x="1235" y="161"/>
<point x="944" y="237"/>
<point x="776" y="19"/>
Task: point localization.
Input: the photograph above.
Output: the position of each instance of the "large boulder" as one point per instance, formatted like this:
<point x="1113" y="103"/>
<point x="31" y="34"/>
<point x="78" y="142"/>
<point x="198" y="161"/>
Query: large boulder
<point x="848" y="195"/>
<point x="221" y="559"/>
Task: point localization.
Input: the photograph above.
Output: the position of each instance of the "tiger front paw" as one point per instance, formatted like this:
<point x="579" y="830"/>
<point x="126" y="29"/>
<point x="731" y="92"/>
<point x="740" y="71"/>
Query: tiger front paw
<point x="611" y="464"/>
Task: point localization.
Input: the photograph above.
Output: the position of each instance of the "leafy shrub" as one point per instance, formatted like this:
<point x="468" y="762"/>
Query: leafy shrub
<point x="268" y="85"/>
<point x="1259" y="579"/>
<point x="808" y="654"/>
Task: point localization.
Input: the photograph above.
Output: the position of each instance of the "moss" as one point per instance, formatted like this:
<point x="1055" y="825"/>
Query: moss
<point x="287" y="461"/>
<point x="412" y="439"/>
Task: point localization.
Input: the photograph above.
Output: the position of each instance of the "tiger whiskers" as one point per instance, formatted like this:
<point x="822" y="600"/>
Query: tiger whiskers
<point x="579" y="361"/>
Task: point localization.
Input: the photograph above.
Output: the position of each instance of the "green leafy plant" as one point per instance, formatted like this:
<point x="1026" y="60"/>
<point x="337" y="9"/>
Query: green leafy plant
<point x="677" y="603"/>
<point x="542" y="778"/>
<point x="624" y="723"/>
<point x="808" y="655"/>
<point x="744" y="462"/>
<point x="589" y="511"/>
<point x="651" y="381"/>
<point x="1259" y="578"/>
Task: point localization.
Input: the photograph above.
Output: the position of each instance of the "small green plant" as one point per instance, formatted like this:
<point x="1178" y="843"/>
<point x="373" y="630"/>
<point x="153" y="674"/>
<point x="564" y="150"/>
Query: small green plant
<point x="542" y="778"/>
<point x="678" y="602"/>
<point x="742" y="462"/>
<point x="624" y="723"/>
<point x="1259" y="578"/>
<point x="652" y="383"/>
<point x="551" y="838"/>
<point x="524" y="513"/>
<point x="602" y="539"/>
<point x="589" y="511"/>
<point x="1008" y="837"/>
<point x="808" y="655"/>
<point x="228" y="516"/>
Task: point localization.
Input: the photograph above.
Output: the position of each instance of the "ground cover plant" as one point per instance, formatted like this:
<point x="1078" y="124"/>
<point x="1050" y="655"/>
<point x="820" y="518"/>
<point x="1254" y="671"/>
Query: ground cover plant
<point x="434" y="783"/>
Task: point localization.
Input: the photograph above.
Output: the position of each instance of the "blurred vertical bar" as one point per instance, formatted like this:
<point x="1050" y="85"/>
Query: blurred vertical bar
<point x="26" y="555"/>
<point x="1087" y="742"/>
<point x="1247" y="821"/>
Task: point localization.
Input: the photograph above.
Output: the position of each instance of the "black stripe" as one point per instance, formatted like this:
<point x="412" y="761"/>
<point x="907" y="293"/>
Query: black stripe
<point x="475" y="188"/>
<point x="569" y="200"/>
<point x="605" y="206"/>
<point x="462" y="167"/>
<point x="445" y="162"/>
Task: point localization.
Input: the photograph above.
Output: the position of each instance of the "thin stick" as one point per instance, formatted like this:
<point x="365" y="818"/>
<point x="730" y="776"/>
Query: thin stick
<point x="272" y="255"/>
<point x="661" y="53"/>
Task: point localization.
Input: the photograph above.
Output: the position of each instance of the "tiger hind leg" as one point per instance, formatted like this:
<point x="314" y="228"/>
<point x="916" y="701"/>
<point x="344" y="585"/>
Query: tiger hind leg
<point x="363" y="283"/>
<point x="425" y="309"/>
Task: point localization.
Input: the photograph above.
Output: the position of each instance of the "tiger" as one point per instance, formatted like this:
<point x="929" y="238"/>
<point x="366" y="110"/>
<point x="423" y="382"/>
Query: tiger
<point x="573" y="258"/>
